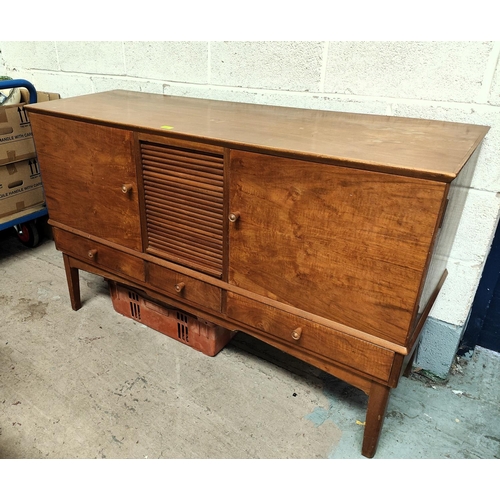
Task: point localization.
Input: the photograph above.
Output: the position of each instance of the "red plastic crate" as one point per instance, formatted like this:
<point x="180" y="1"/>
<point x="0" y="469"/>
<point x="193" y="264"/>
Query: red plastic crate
<point x="176" y="324"/>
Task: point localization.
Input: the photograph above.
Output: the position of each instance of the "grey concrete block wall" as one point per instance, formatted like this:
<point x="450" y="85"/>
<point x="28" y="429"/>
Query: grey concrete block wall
<point x="105" y="58"/>
<point x="493" y="93"/>
<point x="290" y="66"/>
<point x="172" y="61"/>
<point x="440" y="71"/>
<point x="22" y="56"/>
<point x="440" y="342"/>
<point x="450" y="81"/>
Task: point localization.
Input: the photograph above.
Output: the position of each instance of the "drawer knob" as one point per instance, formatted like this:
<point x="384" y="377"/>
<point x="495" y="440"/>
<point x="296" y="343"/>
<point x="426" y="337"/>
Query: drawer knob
<point x="296" y="333"/>
<point x="233" y="217"/>
<point x="126" y="188"/>
<point x="179" y="287"/>
<point x="92" y="253"/>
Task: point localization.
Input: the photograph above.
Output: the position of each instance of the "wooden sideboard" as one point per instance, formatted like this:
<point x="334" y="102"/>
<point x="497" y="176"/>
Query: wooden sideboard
<point x="323" y="234"/>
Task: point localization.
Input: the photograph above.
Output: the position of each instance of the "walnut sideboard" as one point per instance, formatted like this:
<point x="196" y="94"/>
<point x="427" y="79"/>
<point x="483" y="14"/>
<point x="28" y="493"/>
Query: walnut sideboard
<point x="323" y="234"/>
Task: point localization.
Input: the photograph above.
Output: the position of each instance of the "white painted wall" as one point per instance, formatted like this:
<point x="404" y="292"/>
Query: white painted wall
<point x="453" y="81"/>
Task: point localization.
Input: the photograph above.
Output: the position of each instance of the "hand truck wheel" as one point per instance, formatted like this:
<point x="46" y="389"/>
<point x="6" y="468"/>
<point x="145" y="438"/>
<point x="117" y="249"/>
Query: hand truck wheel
<point x="28" y="234"/>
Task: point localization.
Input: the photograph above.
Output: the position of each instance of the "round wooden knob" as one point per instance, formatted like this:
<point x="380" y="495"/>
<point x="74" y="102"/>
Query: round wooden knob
<point x="92" y="253"/>
<point x="233" y="217"/>
<point x="297" y="333"/>
<point x="126" y="188"/>
<point x="179" y="287"/>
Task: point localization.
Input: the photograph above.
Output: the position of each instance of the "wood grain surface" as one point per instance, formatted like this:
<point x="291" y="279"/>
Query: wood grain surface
<point x="428" y="148"/>
<point x="84" y="168"/>
<point x="349" y="245"/>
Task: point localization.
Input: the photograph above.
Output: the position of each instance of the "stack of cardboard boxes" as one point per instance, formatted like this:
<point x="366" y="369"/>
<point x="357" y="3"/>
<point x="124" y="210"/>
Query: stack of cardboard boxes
<point x="20" y="181"/>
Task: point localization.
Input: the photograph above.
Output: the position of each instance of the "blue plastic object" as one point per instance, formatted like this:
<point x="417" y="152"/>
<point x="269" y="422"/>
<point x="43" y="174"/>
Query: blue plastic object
<point x="12" y="84"/>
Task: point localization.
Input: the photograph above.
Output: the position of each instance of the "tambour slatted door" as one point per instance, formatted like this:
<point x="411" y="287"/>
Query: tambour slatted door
<point x="183" y="191"/>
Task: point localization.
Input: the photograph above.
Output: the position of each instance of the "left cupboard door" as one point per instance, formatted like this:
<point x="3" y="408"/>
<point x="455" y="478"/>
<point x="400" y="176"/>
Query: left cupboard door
<point x="89" y="177"/>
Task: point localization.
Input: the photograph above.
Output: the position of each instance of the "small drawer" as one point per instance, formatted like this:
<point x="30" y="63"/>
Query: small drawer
<point x="359" y="354"/>
<point x="99" y="255"/>
<point x="184" y="287"/>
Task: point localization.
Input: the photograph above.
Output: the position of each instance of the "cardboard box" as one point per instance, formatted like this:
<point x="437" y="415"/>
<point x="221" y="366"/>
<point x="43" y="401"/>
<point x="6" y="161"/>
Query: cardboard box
<point x="16" y="138"/>
<point x="40" y="96"/>
<point x="20" y="187"/>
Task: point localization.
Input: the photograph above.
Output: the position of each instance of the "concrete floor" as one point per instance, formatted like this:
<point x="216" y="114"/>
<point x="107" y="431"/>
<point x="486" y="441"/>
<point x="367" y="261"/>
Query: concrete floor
<point x="94" y="384"/>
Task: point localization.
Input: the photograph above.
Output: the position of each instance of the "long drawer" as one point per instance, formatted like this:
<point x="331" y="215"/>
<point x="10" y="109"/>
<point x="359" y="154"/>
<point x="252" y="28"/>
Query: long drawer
<point x="339" y="347"/>
<point x="184" y="288"/>
<point x="99" y="255"/>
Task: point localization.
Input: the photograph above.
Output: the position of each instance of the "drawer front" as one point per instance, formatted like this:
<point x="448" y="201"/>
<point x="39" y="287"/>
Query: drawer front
<point x="309" y="336"/>
<point x="184" y="288"/>
<point x="100" y="255"/>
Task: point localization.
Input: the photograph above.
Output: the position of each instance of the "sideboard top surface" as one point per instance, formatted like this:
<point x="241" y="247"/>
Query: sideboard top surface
<point x="408" y="146"/>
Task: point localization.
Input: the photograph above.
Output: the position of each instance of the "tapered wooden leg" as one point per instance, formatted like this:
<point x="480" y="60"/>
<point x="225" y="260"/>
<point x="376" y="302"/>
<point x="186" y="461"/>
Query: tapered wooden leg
<point x="73" y="280"/>
<point x="409" y="366"/>
<point x="377" y="405"/>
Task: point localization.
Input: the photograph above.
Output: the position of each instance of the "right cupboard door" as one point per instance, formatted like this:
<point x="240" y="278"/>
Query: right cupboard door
<point x="346" y="244"/>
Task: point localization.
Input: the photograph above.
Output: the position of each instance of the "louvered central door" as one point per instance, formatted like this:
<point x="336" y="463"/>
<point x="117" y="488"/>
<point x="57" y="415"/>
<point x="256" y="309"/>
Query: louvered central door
<point x="184" y="205"/>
